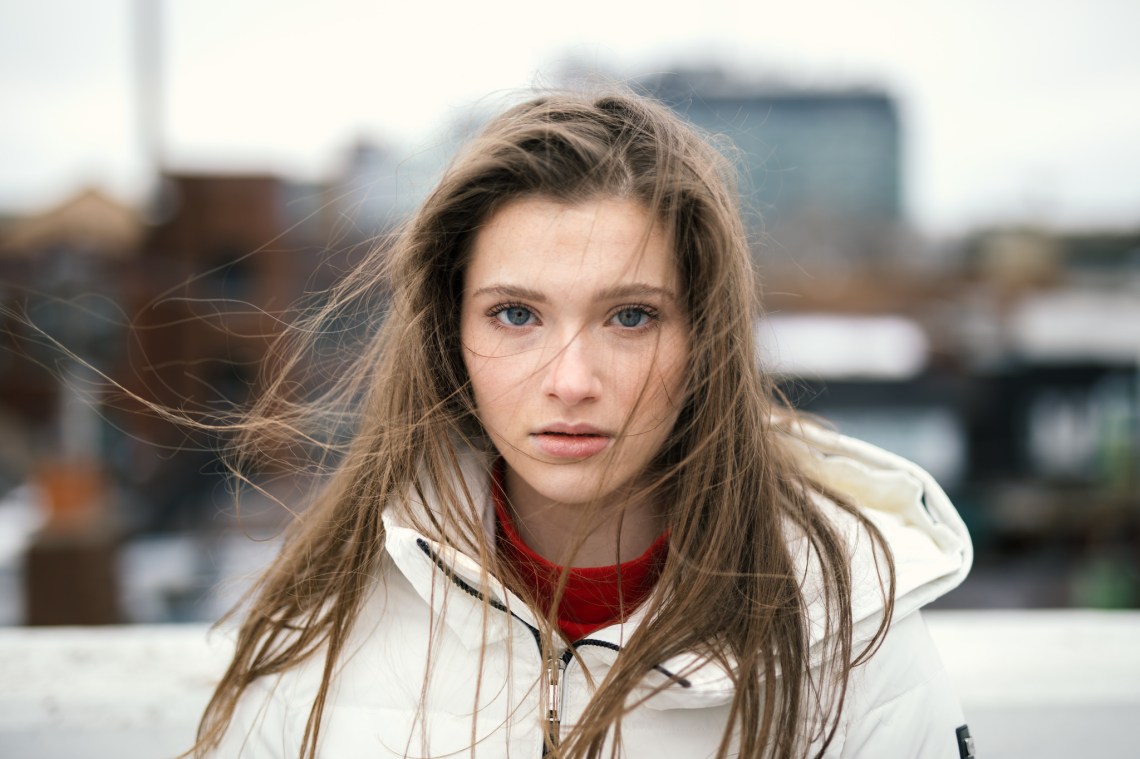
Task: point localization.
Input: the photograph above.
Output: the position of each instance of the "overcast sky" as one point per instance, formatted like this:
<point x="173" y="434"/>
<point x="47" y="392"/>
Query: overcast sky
<point x="1013" y="110"/>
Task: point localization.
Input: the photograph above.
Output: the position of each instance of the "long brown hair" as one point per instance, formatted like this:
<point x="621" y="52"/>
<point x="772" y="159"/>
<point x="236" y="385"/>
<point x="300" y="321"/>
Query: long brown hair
<point x="734" y="494"/>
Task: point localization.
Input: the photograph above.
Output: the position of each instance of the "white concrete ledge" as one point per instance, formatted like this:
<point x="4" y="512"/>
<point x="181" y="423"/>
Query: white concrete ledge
<point x="116" y="692"/>
<point x="1038" y="684"/>
<point x="1045" y="684"/>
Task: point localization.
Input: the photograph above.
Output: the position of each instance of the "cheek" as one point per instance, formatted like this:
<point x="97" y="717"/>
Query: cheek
<point x="496" y="387"/>
<point x="483" y="369"/>
<point x="477" y="366"/>
<point x="482" y="374"/>
<point x="664" y="383"/>
<point x="671" y="372"/>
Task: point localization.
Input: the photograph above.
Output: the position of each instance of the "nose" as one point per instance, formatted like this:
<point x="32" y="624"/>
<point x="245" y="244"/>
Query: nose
<point x="572" y="376"/>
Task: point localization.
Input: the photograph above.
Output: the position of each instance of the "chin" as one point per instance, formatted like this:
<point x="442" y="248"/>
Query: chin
<point x="576" y="482"/>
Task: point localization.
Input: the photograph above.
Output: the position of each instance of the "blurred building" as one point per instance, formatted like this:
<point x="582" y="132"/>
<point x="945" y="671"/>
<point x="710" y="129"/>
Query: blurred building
<point x="820" y="168"/>
<point x="220" y="277"/>
<point x="1067" y="351"/>
<point x="1015" y="378"/>
<point x="64" y="273"/>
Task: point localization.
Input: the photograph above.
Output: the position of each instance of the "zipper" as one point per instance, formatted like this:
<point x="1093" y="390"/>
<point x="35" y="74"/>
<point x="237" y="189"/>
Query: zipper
<point x="556" y="684"/>
<point x="556" y="687"/>
<point x="555" y="664"/>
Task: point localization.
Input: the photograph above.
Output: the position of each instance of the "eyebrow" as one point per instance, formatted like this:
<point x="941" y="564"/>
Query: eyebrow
<point x="633" y="289"/>
<point x="511" y="291"/>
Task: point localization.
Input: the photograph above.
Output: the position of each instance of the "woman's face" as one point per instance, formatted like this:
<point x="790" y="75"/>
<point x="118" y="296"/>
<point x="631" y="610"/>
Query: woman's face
<point x="575" y="342"/>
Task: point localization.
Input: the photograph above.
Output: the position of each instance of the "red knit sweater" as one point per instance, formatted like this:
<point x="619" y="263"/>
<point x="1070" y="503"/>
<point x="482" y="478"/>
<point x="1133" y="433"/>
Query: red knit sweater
<point x="595" y="597"/>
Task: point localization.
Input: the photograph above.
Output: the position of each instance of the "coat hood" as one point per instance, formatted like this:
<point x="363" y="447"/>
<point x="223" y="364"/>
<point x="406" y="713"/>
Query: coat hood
<point x="928" y="541"/>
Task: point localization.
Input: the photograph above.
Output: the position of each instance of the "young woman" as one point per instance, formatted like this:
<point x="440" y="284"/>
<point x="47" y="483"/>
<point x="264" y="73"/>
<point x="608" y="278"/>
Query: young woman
<point x="572" y="520"/>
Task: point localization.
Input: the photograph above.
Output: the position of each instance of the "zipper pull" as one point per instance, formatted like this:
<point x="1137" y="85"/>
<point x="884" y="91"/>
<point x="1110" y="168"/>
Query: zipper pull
<point x="556" y="667"/>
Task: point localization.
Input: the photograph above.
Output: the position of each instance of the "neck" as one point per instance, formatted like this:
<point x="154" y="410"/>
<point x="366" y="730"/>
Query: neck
<point x="583" y="534"/>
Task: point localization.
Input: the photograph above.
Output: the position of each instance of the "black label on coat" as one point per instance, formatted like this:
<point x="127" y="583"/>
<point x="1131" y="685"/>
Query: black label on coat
<point x="965" y="743"/>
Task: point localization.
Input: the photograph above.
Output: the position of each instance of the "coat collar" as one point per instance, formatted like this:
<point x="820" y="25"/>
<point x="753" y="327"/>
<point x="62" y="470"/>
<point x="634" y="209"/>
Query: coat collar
<point x="927" y="539"/>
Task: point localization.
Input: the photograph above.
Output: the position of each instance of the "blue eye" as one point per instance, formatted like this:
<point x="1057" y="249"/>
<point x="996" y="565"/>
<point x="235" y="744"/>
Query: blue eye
<point x="515" y="316"/>
<point x="632" y="317"/>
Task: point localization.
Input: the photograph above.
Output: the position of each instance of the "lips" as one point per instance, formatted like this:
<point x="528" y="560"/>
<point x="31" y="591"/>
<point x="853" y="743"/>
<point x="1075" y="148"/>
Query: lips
<point x="570" y="441"/>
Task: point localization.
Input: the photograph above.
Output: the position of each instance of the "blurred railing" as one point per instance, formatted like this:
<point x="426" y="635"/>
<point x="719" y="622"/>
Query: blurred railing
<point x="1038" y="684"/>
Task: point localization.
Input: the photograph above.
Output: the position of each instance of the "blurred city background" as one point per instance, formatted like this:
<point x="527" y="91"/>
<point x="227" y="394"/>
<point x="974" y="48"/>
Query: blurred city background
<point x="944" y="200"/>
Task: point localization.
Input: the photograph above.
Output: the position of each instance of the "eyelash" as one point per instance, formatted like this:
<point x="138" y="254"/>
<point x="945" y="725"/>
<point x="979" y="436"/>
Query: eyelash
<point x="653" y="316"/>
<point x="493" y="314"/>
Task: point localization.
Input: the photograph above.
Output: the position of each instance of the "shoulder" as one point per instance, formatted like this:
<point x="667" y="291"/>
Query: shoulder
<point x="374" y="686"/>
<point x="263" y="722"/>
<point x="901" y="702"/>
<point x="272" y="713"/>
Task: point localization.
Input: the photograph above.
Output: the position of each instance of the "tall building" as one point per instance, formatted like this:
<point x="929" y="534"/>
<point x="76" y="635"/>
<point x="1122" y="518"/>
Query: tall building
<point x="819" y="169"/>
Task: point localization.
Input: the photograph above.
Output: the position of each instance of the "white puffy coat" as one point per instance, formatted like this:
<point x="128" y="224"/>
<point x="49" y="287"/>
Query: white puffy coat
<point x="386" y="701"/>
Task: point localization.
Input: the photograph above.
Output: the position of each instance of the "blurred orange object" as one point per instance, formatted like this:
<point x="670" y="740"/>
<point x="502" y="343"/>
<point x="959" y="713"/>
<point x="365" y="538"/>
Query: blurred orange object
<point x="71" y="564"/>
<point x="73" y="493"/>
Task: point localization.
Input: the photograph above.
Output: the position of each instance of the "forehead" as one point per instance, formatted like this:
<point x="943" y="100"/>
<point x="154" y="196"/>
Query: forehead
<point x="552" y="246"/>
